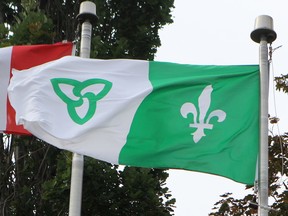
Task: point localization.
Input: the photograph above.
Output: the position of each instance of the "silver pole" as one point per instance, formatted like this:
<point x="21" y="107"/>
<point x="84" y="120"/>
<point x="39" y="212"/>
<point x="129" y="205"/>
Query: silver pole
<point x="263" y="34"/>
<point x="263" y="157"/>
<point x="86" y="16"/>
<point x="85" y="44"/>
<point x="76" y="185"/>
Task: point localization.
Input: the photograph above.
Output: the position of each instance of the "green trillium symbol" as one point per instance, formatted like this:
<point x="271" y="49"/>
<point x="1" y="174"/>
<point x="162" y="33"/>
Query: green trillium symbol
<point x="81" y="92"/>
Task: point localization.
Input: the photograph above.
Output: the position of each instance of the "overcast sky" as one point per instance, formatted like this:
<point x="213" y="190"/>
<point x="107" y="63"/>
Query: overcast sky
<point x="218" y="33"/>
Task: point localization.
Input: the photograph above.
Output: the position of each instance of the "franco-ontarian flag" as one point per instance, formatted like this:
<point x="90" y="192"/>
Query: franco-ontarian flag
<point x="23" y="57"/>
<point x="146" y="114"/>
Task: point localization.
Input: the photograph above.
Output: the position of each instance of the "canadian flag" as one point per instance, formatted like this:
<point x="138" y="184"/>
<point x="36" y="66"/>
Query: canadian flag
<point x="20" y="58"/>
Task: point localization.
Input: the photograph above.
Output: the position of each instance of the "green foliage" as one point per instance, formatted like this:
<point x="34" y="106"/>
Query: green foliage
<point x="56" y="190"/>
<point x="236" y="207"/>
<point x="8" y="10"/>
<point x="32" y="28"/>
<point x="133" y="28"/>
<point x="4" y="32"/>
<point x="282" y="83"/>
<point x="35" y="176"/>
<point x="146" y="192"/>
<point x="26" y="163"/>
<point x="110" y="191"/>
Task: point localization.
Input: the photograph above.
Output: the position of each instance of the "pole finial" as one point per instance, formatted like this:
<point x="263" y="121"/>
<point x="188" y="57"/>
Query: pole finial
<point x="87" y="12"/>
<point x="263" y="28"/>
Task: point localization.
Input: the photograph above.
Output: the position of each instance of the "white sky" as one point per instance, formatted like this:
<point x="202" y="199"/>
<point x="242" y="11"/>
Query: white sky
<point x="218" y="32"/>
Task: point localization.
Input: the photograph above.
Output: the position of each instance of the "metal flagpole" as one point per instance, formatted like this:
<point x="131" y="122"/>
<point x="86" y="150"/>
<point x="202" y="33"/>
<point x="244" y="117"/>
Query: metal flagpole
<point x="263" y="34"/>
<point x="86" y="16"/>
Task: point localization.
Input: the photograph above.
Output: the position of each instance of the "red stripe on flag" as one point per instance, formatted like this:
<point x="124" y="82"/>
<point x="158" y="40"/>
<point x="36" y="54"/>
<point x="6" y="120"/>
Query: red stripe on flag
<point x="24" y="57"/>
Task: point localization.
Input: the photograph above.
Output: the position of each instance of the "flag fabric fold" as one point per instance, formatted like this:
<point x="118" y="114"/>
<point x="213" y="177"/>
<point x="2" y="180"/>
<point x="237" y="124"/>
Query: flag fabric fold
<point x="23" y="57"/>
<point x="146" y="114"/>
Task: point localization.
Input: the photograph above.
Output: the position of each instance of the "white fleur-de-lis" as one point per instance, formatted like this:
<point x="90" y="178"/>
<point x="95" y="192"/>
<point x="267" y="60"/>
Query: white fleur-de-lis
<point x="204" y="102"/>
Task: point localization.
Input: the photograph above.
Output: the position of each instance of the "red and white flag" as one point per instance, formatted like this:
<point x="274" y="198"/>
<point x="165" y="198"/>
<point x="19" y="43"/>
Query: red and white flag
<point x="20" y="58"/>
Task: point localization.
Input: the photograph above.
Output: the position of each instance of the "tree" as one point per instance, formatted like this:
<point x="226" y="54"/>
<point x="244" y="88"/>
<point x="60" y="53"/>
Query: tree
<point x="278" y="189"/>
<point x="35" y="176"/>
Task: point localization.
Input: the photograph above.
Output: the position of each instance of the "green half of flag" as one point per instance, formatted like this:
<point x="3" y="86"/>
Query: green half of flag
<point x="217" y="131"/>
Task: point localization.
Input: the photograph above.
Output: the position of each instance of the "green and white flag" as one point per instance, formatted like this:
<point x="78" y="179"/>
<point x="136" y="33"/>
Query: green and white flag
<point x="146" y="114"/>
